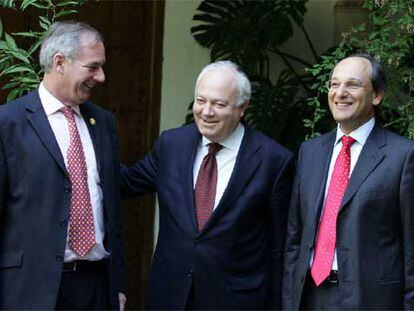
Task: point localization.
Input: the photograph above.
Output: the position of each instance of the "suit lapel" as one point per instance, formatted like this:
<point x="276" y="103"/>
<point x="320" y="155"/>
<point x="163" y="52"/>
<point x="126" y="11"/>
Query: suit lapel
<point x="247" y="162"/>
<point x="38" y="120"/>
<point x="93" y="127"/>
<point x="320" y="168"/>
<point x="187" y="158"/>
<point x="370" y="157"/>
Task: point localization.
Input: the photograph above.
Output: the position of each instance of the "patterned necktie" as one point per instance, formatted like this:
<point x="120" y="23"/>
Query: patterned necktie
<point x="81" y="226"/>
<point x="205" y="188"/>
<point x="325" y="242"/>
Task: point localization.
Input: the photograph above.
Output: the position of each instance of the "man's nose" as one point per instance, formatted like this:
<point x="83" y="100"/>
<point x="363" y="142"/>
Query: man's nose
<point x="100" y="75"/>
<point x="208" y="109"/>
<point x="341" y="91"/>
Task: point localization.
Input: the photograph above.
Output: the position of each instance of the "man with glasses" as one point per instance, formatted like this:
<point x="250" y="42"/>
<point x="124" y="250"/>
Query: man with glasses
<point x="60" y="226"/>
<point x="350" y="233"/>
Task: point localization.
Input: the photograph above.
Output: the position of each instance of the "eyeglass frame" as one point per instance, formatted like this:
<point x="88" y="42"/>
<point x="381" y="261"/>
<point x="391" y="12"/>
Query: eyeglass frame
<point x="350" y="88"/>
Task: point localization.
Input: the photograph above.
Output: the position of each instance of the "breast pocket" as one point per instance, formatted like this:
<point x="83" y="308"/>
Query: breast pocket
<point x="11" y="259"/>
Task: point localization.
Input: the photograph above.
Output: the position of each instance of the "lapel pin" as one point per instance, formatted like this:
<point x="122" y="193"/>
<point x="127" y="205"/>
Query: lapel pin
<point x="92" y="121"/>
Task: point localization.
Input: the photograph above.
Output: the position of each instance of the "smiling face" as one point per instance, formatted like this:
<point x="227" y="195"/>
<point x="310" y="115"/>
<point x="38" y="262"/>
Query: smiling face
<point x="81" y="74"/>
<point x="214" y="108"/>
<point x="351" y="96"/>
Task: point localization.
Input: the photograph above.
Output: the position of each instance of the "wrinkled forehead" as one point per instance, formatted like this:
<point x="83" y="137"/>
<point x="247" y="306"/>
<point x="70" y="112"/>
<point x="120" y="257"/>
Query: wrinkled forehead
<point x="352" y="68"/>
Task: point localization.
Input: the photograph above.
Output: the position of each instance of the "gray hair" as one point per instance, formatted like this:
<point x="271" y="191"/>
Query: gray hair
<point x="244" y="85"/>
<point x="65" y="38"/>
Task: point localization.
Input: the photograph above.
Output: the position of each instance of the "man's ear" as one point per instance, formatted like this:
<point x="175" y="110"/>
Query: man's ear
<point x="58" y="63"/>
<point x="243" y="108"/>
<point x="377" y="98"/>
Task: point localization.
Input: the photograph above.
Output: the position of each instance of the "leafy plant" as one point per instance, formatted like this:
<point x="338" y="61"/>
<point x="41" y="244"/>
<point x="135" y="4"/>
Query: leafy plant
<point x="389" y="35"/>
<point x="18" y="66"/>
<point x="251" y="34"/>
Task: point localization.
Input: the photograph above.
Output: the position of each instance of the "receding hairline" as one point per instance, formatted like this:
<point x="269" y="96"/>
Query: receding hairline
<point x="359" y="58"/>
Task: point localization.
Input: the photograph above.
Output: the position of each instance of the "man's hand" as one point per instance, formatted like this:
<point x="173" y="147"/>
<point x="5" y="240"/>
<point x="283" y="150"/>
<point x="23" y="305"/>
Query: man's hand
<point x="122" y="301"/>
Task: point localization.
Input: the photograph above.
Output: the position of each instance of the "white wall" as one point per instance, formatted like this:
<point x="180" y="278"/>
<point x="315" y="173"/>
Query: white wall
<point x="183" y="59"/>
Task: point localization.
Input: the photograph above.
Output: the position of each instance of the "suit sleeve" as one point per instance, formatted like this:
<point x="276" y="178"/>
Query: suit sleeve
<point x="293" y="240"/>
<point x="3" y="173"/>
<point x="118" y="245"/>
<point x="279" y="203"/>
<point x="407" y="218"/>
<point x="140" y="177"/>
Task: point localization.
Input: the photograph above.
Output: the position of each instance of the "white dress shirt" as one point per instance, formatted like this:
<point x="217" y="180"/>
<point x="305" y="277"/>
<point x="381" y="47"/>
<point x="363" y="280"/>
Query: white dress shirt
<point x="226" y="159"/>
<point x="60" y="129"/>
<point x="360" y="135"/>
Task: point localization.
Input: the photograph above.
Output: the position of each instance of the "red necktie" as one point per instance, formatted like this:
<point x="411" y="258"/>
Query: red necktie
<point x="205" y="187"/>
<point x="81" y="226"/>
<point x="325" y="242"/>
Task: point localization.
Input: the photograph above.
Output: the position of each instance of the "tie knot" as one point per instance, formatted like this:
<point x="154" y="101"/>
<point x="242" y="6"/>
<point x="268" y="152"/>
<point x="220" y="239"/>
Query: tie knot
<point x="67" y="112"/>
<point x="214" y="148"/>
<point x="347" y="141"/>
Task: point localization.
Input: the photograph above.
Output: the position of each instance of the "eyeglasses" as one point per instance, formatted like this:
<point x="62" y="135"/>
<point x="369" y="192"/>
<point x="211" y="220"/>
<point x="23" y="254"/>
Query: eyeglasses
<point x="350" y="85"/>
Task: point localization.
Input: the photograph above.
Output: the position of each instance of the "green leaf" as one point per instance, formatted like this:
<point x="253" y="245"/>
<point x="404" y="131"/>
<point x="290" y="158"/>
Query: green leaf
<point x="10" y="85"/>
<point x="1" y="28"/>
<point x="41" y="6"/>
<point x="16" y="69"/>
<point x="43" y="25"/>
<point x="30" y="34"/>
<point x="26" y="3"/>
<point x="3" y="45"/>
<point x="65" y="13"/>
<point x="45" y="20"/>
<point x="67" y="3"/>
<point x="21" y="56"/>
<point x="10" y="42"/>
<point x="5" y="59"/>
<point x="27" y="80"/>
<point x="7" y="3"/>
<point x="13" y="94"/>
<point x="34" y="47"/>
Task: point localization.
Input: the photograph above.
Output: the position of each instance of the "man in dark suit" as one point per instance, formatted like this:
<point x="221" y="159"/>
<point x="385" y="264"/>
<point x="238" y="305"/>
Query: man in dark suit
<point x="60" y="226"/>
<point x="350" y="240"/>
<point x="223" y="190"/>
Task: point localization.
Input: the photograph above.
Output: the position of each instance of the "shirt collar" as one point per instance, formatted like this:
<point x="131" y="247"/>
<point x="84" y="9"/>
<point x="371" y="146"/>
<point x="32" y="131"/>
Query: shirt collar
<point x="232" y="142"/>
<point x="51" y="104"/>
<point x="360" y="134"/>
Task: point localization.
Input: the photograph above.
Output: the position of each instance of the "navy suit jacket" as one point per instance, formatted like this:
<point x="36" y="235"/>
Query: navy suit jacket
<point x="235" y="261"/>
<point x="375" y="225"/>
<point x="35" y="192"/>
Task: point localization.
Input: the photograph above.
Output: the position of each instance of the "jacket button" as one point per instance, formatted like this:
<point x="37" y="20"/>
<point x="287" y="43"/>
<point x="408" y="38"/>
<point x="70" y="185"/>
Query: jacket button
<point x="59" y="257"/>
<point x="62" y="223"/>
<point x="190" y="273"/>
<point x="68" y="189"/>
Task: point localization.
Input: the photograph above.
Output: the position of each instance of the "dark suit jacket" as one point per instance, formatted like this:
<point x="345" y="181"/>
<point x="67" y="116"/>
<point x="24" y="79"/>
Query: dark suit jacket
<point x="375" y="226"/>
<point x="35" y="193"/>
<point x="235" y="261"/>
